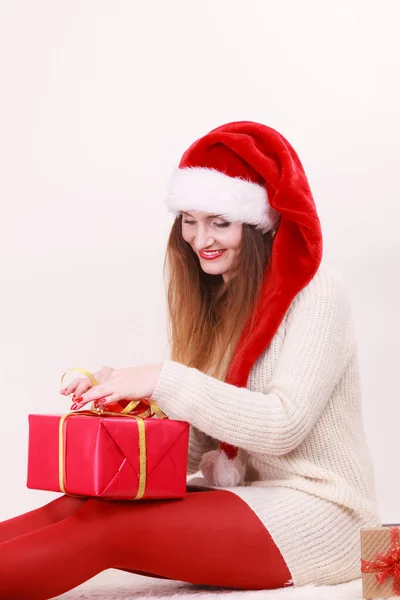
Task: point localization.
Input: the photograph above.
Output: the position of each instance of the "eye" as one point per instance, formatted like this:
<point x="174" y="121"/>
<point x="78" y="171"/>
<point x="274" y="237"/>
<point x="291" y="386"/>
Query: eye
<point x="222" y="224"/>
<point x="189" y="222"/>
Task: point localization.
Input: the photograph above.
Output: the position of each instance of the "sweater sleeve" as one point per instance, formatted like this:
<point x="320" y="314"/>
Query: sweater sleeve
<point x="316" y="349"/>
<point x="199" y="444"/>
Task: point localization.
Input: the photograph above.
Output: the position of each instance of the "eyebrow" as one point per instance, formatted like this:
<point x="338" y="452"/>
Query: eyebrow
<point x="210" y="217"/>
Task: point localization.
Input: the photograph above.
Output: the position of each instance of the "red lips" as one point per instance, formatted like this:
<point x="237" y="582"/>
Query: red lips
<point x="212" y="256"/>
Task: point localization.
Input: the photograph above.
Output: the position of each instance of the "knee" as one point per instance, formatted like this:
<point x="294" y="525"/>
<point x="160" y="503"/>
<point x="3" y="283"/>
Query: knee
<point x="62" y="508"/>
<point x="96" y="509"/>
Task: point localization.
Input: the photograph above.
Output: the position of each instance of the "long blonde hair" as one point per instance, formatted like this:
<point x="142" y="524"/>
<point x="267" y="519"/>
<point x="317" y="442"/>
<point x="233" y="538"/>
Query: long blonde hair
<point x="206" y="315"/>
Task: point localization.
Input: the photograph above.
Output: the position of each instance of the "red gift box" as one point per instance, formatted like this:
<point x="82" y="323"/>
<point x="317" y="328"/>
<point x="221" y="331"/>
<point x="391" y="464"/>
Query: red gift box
<point x="112" y="457"/>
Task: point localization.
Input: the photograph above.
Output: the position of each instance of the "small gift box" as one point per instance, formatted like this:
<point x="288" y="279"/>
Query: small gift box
<point x="380" y="561"/>
<point x="114" y="456"/>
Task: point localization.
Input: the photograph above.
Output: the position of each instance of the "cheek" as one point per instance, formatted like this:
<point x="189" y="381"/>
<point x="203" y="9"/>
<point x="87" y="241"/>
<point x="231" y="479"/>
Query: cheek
<point x="236" y="239"/>
<point x="186" y="236"/>
<point x="239" y="241"/>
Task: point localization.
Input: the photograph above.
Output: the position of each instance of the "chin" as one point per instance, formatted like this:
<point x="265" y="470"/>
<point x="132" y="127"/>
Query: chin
<point x="210" y="272"/>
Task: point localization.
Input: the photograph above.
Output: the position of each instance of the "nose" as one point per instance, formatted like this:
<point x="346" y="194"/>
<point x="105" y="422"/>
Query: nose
<point x="202" y="239"/>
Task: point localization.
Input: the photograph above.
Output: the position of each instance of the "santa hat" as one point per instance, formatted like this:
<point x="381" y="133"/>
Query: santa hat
<point x="249" y="173"/>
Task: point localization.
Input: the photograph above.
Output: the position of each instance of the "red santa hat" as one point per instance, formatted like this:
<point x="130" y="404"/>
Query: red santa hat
<point x="249" y="173"/>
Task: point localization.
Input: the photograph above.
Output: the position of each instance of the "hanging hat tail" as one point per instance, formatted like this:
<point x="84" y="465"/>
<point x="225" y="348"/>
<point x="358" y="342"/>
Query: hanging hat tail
<point x="223" y="467"/>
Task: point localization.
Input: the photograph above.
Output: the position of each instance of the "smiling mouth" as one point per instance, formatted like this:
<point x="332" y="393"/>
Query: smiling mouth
<point x="211" y="255"/>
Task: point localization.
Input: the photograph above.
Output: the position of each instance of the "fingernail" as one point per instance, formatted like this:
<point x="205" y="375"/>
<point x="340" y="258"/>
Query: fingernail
<point x="102" y="401"/>
<point x="74" y="406"/>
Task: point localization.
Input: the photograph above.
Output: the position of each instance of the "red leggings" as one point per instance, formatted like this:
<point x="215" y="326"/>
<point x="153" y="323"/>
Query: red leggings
<point x="209" y="537"/>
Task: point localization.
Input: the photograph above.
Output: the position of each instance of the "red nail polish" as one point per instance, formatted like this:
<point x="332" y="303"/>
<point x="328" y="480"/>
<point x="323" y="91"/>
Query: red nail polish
<point x="102" y="401"/>
<point x="73" y="407"/>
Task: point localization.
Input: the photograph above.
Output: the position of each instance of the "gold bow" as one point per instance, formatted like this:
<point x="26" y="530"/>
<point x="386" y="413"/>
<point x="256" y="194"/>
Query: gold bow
<point x="152" y="410"/>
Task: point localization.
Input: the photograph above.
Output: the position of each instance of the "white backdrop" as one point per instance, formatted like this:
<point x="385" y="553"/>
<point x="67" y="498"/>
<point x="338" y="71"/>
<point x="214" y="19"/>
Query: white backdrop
<point x="98" y="101"/>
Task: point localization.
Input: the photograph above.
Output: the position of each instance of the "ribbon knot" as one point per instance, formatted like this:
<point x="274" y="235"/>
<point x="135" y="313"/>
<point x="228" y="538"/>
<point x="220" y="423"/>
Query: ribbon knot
<point x="386" y="564"/>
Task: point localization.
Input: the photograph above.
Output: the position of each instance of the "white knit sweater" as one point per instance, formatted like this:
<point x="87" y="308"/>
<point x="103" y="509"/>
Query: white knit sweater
<point x="299" y="428"/>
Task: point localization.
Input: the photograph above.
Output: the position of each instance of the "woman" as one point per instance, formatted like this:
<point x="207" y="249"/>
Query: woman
<point x="263" y="366"/>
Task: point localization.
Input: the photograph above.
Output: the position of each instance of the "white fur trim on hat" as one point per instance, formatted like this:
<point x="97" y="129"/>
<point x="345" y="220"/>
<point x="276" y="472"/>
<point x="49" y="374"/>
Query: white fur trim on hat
<point x="209" y="190"/>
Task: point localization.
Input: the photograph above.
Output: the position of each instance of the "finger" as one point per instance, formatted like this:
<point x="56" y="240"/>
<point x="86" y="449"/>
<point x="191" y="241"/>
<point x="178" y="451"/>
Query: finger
<point x="82" y="387"/>
<point x="81" y="384"/>
<point x="115" y="397"/>
<point x="71" y="387"/>
<point x="102" y="390"/>
<point x="81" y="402"/>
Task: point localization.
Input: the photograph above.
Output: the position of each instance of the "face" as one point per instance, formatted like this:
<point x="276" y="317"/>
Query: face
<point x="206" y="233"/>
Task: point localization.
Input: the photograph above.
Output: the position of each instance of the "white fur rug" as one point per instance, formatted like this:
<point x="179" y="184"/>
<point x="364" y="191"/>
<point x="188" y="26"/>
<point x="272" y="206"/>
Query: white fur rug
<point x="118" y="585"/>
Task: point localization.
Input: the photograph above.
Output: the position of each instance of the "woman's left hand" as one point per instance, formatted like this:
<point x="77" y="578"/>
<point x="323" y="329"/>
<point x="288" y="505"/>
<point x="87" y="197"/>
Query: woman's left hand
<point x="133" y="383"/>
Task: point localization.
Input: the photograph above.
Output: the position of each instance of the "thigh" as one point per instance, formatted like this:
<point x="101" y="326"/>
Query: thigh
<point x="210" y="538"/>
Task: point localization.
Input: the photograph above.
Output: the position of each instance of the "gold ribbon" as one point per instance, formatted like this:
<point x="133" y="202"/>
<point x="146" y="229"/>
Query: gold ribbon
<point x="153" y="409"/>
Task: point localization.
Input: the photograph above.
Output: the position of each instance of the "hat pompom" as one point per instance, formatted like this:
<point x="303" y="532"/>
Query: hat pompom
<point x="221" y="471"/>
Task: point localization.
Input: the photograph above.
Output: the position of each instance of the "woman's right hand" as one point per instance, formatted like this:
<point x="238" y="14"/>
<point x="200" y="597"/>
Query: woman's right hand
<point x="79" y="386"/>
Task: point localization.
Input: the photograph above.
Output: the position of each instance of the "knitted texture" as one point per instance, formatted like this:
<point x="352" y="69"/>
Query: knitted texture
<point x="298" y="426"/>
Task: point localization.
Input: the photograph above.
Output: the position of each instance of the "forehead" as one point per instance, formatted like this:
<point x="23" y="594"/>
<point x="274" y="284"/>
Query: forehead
<point x="198" y="214"/>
